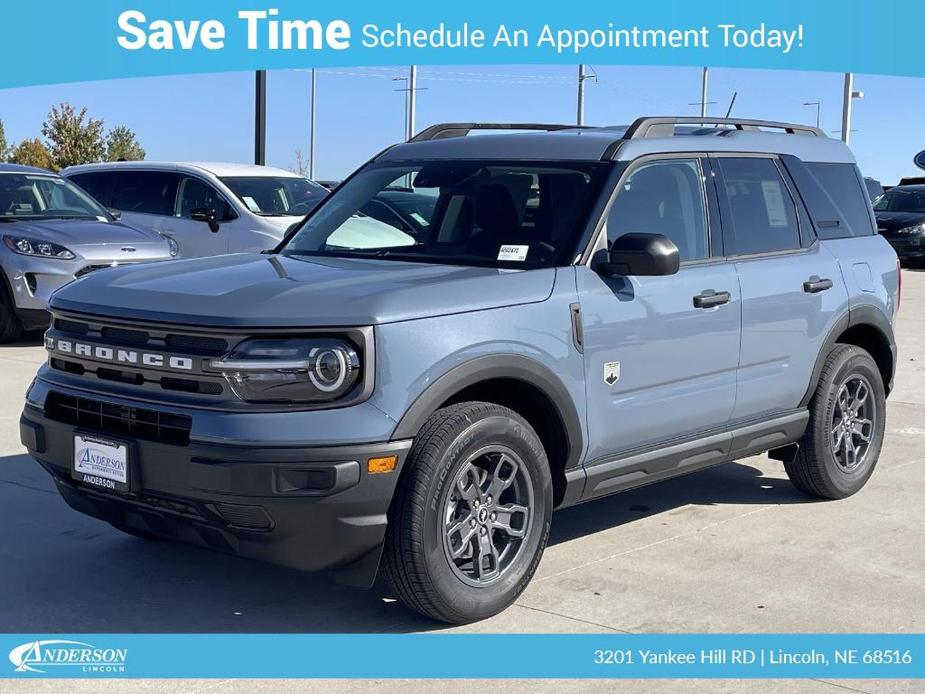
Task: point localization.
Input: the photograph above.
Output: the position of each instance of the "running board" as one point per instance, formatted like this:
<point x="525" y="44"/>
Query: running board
<point x="637" y="469"/>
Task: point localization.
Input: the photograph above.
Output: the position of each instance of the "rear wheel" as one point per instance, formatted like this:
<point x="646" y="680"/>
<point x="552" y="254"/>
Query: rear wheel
<point x="471" y="516"/>
<point x="847" y="418"/>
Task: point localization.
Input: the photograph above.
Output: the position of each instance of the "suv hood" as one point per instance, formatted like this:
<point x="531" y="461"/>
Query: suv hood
<point x="74" y="233"/>
<point x="257" y="290"/>
<point x="891" y="222"/>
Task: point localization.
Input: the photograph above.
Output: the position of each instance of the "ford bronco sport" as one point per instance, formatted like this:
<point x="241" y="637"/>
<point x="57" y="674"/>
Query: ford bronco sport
<point x="580" y="311"/>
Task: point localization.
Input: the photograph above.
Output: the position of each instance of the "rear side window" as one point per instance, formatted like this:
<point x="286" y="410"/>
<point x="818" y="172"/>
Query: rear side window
<point x="147" y="192"/>
<point x="98" y="184"/>
<point x="764" y="217"/>
<point x="843" y="185"/>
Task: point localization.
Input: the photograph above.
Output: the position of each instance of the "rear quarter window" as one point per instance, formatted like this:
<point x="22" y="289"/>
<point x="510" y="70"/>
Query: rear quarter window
<point x="842" y="184"/>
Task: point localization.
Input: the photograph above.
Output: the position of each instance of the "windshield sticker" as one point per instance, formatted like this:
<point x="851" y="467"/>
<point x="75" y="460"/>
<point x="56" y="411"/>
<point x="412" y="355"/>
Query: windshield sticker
<point x="251" y="203"/>
<point x="517" y="253"/>
<point x="774" y="202"/>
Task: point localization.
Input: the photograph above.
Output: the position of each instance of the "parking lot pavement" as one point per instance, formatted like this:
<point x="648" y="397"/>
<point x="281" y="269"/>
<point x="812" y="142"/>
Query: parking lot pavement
<point x="732" y="549"/>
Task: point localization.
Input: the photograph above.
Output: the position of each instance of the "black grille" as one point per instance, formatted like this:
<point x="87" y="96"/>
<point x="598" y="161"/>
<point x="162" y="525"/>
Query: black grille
<point x="197" y="343"/>
<point x="72" y="326"/>
<point x="136" y="338"/>
<point x="118" y="420"/>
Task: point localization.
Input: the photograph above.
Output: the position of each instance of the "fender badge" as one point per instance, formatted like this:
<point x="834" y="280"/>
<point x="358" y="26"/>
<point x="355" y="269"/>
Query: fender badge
<point x="611" y="372"/>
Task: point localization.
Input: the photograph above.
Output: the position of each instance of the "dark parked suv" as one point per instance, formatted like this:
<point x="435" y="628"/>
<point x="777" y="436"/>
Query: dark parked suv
<point x="578" y="312"/>
<point x="901" y="220"/>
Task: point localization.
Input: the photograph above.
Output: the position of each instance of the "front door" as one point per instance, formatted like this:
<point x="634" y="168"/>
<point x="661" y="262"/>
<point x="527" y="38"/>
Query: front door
<point x="661" y="352"/>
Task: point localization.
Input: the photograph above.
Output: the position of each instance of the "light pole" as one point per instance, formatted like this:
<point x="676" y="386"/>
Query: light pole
<point x="260" y="118"/>
<point x="411" y="89"/>
<point x="818" y="105"/>
<point x="311" y="133"/>
<point x="704" y="81"/>
<point x="847" y="97"/>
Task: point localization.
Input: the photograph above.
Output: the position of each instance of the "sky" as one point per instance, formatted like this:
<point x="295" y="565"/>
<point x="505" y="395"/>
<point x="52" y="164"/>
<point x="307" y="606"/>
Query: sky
<point x="360" y="111"/>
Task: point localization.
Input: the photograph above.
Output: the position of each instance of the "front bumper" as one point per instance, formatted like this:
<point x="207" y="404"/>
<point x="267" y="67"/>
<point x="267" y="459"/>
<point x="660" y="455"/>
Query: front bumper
<point x="308" y="508"/>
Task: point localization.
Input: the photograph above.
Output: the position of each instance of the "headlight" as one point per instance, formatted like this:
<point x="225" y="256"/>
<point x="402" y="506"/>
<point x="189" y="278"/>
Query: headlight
<point x="42" y="249"/>
<point x="918" y="229"/>
<point x="290" y="370"/>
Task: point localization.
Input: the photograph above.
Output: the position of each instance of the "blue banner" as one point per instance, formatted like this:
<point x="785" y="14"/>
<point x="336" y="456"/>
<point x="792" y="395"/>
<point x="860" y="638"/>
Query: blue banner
<point x="854" y="656"/>
<point x="64" y="41"/>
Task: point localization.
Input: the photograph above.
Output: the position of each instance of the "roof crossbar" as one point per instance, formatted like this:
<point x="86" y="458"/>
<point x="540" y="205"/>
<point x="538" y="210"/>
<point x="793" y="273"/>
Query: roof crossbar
<point x="664" y="126"/>
<point x="445" y="130"/>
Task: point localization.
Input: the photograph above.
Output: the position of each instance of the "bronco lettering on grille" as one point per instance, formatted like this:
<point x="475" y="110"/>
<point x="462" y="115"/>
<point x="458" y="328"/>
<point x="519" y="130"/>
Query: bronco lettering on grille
<point x="118" y="355"/>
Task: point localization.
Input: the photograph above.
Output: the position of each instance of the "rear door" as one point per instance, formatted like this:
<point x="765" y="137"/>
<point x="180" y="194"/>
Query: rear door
<point x="792" y="286"/>
<point x="661" y="352"/>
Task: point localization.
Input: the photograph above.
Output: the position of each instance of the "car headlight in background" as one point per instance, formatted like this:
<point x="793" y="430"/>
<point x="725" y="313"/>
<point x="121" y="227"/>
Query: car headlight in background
<point x="41" y="249"/>
<point x="918" y="229"/>
<point x="290" y="370"/>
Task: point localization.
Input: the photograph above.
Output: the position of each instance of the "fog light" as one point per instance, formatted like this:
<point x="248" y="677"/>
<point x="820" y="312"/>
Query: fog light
<point x="377" y="466"/>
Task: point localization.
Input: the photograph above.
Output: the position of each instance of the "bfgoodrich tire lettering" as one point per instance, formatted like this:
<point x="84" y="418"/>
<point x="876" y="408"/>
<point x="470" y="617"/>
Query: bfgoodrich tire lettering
<point x="847" y="418"/>
<point x="464" y="442"/>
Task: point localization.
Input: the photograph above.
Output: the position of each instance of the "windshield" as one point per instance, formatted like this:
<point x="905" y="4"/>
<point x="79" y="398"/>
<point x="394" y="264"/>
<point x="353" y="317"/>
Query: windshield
<point x="898" y="200"/>
<point x="276" y="196"/>
<point x="496" y="214"/>
<point x="41" y="196"/>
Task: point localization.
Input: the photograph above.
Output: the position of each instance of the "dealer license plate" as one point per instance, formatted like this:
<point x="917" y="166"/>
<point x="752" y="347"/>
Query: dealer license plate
<point x="100" y="462"/>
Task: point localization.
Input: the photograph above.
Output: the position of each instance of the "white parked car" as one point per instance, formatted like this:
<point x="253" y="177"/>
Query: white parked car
<point x="206" y="208"/>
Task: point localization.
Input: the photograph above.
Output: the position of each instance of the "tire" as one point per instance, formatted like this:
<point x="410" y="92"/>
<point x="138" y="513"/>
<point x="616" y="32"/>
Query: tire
<point x="819" y="468"/>
<point x="10" y="325"/>
<point x="445" y="506"/>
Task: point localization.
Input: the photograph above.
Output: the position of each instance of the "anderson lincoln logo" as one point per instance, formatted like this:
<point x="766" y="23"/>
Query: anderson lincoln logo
<point x="45" y="656"/>
<point x="118" y="355"/>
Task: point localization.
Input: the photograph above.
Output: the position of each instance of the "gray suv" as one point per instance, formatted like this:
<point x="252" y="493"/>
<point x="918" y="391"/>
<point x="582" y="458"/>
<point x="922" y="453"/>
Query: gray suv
<point x="581" y="311"/>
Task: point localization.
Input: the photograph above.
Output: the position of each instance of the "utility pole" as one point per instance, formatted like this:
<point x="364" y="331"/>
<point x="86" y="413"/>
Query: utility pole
<point x="260" y="118"/>
<point x="581" y="94"/>
<point x="849" y="95"/>
<point x="412" y="99"/>
<point x="704" y="80"/>
<point x="311" y="131"/>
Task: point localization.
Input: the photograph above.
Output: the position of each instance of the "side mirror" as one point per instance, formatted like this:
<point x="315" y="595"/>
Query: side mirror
<point x="114" y="213"/>
<point x="201" y="214"/>
<point x="639" y="254"/>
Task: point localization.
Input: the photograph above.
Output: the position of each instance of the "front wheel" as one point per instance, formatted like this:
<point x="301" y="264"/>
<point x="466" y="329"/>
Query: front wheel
<point x="847" y="418"/>
<point x="471" y="515"/>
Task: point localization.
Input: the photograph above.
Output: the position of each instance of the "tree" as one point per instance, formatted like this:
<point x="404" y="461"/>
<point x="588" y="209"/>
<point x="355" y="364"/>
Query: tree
<point x="122" y="144"/>
<point x="4" y="145"/>
<point x="32" y="153"/>
<point x="73" y="137"/>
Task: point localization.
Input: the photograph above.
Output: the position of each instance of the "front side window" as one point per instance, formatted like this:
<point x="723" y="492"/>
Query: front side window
<point x="276" y="196"/>
<point x="489" y="213"/>
<point x="664" y="197"/>
<point x="38" y="196"/>
<point x="764" y="217"/>
<point x="198" y="195"/>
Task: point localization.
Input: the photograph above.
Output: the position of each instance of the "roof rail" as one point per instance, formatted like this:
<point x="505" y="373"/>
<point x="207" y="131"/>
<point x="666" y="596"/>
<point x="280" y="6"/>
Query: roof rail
<point x="664" y="126"/>
<point x="444" y="130"/>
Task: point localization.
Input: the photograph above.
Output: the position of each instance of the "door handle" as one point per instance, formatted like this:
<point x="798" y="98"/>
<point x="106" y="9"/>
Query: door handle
<point x="709" y="298"/>
<point x="816" y="284"/>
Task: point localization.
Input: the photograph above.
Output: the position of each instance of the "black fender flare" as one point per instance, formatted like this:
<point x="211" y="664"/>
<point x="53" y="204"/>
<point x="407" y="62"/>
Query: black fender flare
<point x="860" y="315"/>
<point x="489" y="367"/>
